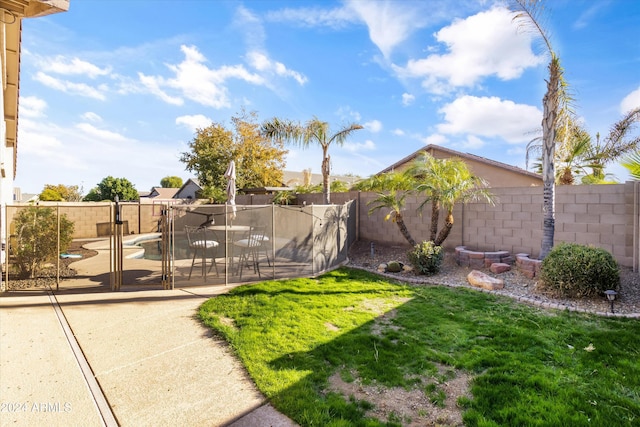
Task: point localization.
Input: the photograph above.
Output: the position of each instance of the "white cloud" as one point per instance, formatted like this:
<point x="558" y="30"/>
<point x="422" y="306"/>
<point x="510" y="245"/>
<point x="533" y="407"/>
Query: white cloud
<point x="482" y="45"/>
<point x="588" y="15"/>
<point x="473" y="142"/>
<point x="630" y="101"/>
<point x="32" y="106"/>
<point x="435" y="139"/>
<point x="197" y="82"/>
<point x="407" y="99"/>
<point x="73" y="66"/>
<point x="72" y="88"/>
<point x="101" y="134"/>
<point x="398" y="132"/>
<point x="314" y="17"/>
<point x="73" y="151"/>
<point x="262" y="62"/>
<point x="91" y="117"/>
<point x="490" y="117"/>
<point x="346" y="113"/>
<point x="353" y="147"/>
<point x="389" y="22"/>
<point x="373" y="126"/>
<point x="194" y="122"/>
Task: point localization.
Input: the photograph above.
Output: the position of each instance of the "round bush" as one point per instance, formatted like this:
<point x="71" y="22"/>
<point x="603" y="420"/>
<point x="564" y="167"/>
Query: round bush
<point x="575" y="270"/>
<point x="426" y="258"/>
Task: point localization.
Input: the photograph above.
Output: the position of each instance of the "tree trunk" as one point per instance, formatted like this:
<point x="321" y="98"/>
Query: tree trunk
<point x="326" y="170"/>
<point x="435" y="212"/>
<point x="404" y="230"/>
<point x="550" y="104"/>
<point x="444" y="233"/>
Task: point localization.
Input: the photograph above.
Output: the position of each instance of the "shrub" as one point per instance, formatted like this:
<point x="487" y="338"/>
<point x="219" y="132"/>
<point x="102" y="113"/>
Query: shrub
<point x="37" y="238"/>
<point x="575" y="270"/>
<point x="426" y="258"/>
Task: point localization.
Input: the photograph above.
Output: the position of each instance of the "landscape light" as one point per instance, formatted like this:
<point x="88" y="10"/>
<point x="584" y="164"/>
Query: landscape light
<point x="611" y="296"/>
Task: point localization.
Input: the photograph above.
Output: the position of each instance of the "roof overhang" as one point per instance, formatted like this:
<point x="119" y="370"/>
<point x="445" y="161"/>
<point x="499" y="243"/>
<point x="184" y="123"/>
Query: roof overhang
<point x="11" y="14"/>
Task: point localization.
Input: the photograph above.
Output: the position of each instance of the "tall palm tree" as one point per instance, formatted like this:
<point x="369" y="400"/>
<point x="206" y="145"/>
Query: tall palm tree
<point x="446" y="182"/>
<point x="556" y="111"/>
<point x="576" y="153"/>
<point x="316" y="131"/>
<point x="615" y="145"/>
<point x="392" y="188"/>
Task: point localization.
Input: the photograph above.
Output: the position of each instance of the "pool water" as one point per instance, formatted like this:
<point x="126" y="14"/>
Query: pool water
<point x="153" y="249"/>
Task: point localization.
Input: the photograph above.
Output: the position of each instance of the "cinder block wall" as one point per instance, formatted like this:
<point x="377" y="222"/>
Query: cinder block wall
<point x="606" y="216"/>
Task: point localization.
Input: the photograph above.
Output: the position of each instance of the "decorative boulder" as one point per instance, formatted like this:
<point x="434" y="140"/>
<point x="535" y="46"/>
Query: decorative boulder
<point x="481" y="280"/>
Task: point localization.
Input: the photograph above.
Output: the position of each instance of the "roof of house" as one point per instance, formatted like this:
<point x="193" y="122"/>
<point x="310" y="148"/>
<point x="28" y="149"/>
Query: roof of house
<point x="162" y="193"/>
<point x="453" y="153"/>
<point x="294" y="178"/>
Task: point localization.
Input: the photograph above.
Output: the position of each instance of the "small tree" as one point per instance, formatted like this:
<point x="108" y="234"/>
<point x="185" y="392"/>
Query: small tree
<point x="36" y="231"/>
<point x="111" y="187"/>
<point x="60" y="193"/>
<point x="259" y="161"/>
<point x="171" y="182"/>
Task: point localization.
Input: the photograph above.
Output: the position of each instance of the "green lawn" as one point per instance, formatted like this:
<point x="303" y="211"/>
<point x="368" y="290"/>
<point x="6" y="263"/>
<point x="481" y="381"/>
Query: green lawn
<point x="529" y="367"/>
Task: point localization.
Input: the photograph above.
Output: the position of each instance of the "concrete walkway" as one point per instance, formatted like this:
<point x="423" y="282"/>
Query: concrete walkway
<point x="131" y="358"/>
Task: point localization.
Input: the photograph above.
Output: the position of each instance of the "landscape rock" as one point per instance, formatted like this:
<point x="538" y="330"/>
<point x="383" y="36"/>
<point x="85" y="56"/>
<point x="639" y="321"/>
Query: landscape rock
<point x="499" y="267"/>
<point x="481" y="280"/>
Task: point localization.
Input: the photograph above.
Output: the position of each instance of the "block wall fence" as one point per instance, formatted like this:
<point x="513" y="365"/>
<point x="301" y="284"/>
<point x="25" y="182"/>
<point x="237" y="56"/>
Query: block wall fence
<point x="606" y="216"/>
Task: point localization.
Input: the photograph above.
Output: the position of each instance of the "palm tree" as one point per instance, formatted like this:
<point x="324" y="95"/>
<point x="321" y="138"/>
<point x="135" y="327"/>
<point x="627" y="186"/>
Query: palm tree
<point x="577" y="153"/>
<point x="392" y="188"/>
<point x="615" y="145"/>
<point x="632" y="163"/>
<point x="446" y="182"/>
<point x="314" y="130"/>
<point x="556" y="111"/>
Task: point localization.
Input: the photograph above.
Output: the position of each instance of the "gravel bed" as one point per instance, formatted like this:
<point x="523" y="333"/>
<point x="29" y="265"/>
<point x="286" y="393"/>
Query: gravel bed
<point x="517" y="286"/>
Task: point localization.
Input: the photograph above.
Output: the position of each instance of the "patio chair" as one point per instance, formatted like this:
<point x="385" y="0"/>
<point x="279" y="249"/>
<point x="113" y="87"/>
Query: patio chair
<point x="201" y="245"/>
<point x="249" y="249"/>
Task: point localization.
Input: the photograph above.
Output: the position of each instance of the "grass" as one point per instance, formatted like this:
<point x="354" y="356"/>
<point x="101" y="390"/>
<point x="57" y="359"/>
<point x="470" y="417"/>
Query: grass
<point x="530" y="367"/>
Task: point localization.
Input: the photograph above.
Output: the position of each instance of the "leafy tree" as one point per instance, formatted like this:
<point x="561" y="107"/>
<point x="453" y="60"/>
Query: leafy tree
<point x="446" y="182"/>
<point x="111" y="187"/>
<point x="314" y="131"/>
<point x="556" y="112"/>
<point x="60" y="193"/>
<point x="259" y="161"/>
<point x="171" y="182"/>
<point x="36" y="231"/>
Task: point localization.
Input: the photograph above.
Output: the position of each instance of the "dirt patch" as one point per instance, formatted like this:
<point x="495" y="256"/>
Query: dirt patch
<point x="46" y="278"/>
<point x="433" y="401"/>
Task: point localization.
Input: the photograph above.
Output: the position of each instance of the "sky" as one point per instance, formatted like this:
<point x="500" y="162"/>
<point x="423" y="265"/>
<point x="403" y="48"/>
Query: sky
<point x="119" y="87"/>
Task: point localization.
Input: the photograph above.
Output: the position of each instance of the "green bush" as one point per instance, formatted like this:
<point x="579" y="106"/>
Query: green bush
<point x="575" y="270"/>
<point x="426" y="258"/>
<point x="36" y="238"/>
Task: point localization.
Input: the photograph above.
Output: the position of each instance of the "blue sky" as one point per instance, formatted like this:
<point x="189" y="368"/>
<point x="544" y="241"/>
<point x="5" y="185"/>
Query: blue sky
<point x="118" y="87"/>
